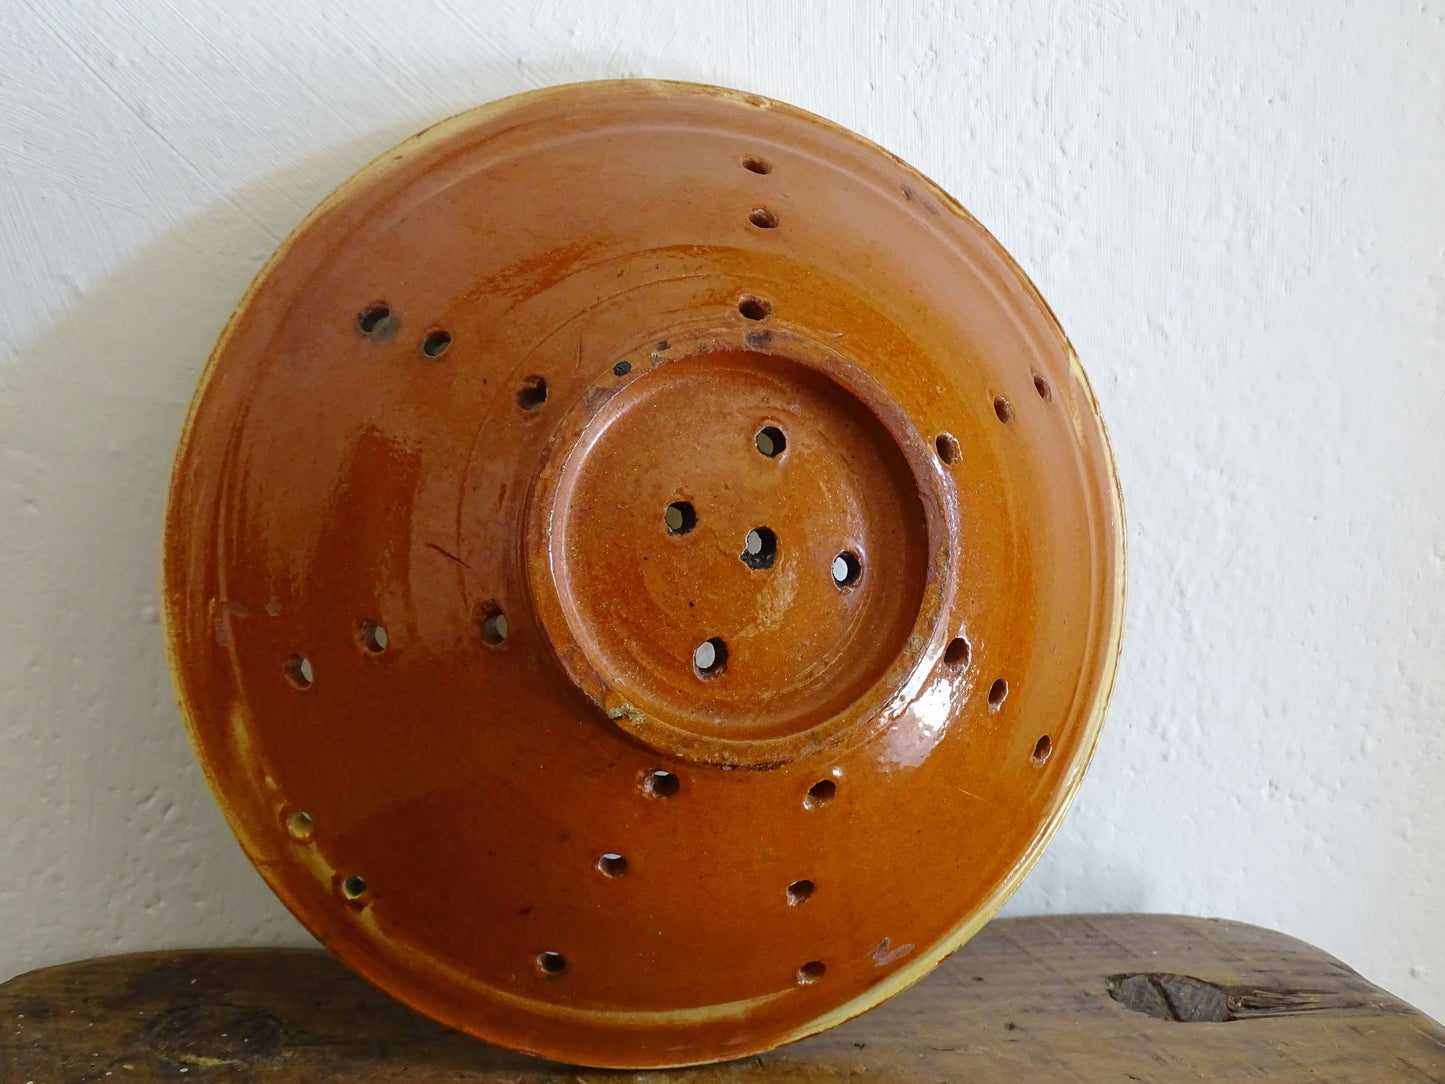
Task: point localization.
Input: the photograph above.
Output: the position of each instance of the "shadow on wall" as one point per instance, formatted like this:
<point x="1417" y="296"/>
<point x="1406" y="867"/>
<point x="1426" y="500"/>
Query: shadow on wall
<point x="1076" y="875"/>
<point x="112" y="841"/>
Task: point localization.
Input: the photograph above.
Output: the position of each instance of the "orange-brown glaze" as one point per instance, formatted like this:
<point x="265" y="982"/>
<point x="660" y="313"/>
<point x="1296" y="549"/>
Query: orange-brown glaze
<point x="521" y="418"/>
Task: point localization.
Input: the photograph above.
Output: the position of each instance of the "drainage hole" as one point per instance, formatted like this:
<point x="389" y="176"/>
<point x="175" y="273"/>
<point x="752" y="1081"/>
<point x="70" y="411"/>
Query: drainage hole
<point x="811" y="972"/>
<point x="710" y="658"/>
<point x="957" y="652"/>
<point x="436" y="342"/>
<point x="770" y="441"/>
<point x="760" y="548"/>
<point x="373" y="637"/>
<point x="798" y="892"/>
<point x="1041" y="386"/>
<point x="353" y="888"/>
<point x="533" y="393"/>
<point x="492" y="623"/>
<point x="299" y="826"/>
<point x="298" y="671"/>
<point x="846" y="569"/>
<point x="612" y="865"/>
<point x="948" y="448"/>
<point x="551" y="963"/>
<point x="680" y="517"/>
<point x="1004" y="409"/>
<point x="997" y="693"/>
<point x="763" y="218"/>
<point x="372" y="319"/>
<point x="754" y="164"/>
<point x="755" y="308"/>
<point x="1042" y="750"/>
<point x="660" y="784"/>
<point x="820" y="793"/>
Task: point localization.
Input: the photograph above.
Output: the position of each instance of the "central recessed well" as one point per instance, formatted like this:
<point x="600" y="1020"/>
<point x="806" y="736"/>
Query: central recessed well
<point x="733" y="650"/>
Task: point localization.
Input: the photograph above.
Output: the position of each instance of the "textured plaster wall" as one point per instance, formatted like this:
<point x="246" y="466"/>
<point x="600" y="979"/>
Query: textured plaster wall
<point x="1237" y="211"/>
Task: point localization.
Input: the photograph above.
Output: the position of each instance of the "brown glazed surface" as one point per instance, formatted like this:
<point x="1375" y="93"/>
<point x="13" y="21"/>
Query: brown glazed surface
<point x="487" y="446"/>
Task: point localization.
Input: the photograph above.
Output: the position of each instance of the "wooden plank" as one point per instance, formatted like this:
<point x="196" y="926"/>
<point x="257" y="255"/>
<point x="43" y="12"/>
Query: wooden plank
<point x="1028" y="999"/>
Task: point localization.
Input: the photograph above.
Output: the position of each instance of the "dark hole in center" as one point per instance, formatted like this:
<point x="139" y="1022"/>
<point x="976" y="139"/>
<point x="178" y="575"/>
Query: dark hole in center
<point x="770" y="441"/>
<point x="533" y="393"/>
<point x="711" y="657"/>
<point x="680" y="517"/>
<point x="660" y="784"/>
<point x="820" y="793"/>
<point x="755" y="308"/>
<point x="372" y="319"/>
<point x="846" y="569"/>
<point x="760" y="548"/>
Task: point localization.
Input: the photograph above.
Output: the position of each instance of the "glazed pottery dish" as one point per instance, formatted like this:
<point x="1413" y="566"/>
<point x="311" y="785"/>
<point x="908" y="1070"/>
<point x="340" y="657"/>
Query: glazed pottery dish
<point x="643" y="573"/>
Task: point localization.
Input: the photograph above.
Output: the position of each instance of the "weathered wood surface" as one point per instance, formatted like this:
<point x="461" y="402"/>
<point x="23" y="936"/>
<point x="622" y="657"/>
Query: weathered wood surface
<point x="1028" y="999"/>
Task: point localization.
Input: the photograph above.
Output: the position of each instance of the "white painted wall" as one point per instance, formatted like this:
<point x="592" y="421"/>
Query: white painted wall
<point x="1237" y="210"/>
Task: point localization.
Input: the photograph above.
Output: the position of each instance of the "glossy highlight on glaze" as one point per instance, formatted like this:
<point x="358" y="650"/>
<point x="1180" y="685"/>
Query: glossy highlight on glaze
<point x="581" y="760"/>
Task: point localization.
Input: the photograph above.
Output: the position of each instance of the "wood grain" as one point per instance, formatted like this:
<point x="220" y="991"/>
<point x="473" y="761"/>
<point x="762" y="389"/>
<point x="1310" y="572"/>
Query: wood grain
<point x="1028" y="999"/>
